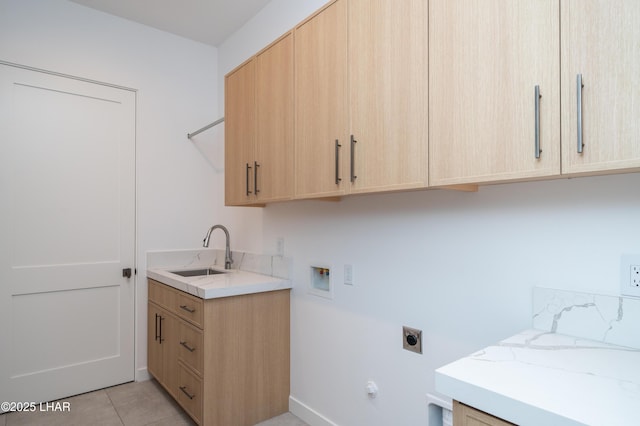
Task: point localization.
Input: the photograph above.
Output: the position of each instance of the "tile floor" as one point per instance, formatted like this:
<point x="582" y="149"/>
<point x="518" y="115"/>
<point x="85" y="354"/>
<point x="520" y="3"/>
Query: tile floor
<point x="131" y="404"/>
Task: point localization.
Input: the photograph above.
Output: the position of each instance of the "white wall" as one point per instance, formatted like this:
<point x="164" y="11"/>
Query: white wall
<point x="459" y="266"/>
<point x="178" y="188"/>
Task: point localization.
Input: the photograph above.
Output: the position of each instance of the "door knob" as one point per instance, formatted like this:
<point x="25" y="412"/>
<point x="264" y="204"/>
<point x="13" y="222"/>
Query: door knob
<point x="126" y="272"/>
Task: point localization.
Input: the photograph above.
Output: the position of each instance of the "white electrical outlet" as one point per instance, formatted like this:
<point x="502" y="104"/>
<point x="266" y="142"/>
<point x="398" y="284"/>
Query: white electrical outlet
<point x="635" y="275"/>
<point x="348" y="275"/>
<point x="280" y="246"/>
<point x="630" y="275"/>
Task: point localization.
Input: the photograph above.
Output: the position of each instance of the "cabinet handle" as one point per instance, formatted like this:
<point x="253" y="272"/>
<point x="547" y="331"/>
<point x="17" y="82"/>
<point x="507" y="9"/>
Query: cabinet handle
<point x="190" y="349"/>
<point x="338" y="146"/>
<point x="255" y="177"/>
<point x="188" y="309"/>
<point x="537" y="130"/>
<point x="248" y="167"/>
<point x="579" y="87"/>
<point x="160" y="335"/>
<point x="184" y="390"/>
<point x="156" y="324"/>
<point x="353" y="159"/>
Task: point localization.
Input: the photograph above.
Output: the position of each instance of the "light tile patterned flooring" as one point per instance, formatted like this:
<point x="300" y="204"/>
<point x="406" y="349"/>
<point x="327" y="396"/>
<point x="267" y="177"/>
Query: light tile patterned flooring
<point x="131" y="404"/>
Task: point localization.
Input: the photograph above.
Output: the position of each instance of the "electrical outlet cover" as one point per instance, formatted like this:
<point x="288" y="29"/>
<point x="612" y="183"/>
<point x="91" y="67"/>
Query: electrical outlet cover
<point x="630" y="275"/>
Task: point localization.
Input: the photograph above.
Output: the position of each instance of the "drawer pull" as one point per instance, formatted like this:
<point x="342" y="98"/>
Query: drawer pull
<point x="184" y="390"/>
<point x="187" y="347"/>
<point x="188" y="309"/>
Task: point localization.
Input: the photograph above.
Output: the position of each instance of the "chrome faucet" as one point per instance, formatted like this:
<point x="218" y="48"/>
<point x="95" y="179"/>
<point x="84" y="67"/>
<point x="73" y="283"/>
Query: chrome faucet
<point x="227" y="251"/>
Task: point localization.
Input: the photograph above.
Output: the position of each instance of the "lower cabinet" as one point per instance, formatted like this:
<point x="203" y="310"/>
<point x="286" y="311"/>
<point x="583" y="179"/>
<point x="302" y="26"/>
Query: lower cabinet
<point x="162" y="353"/>
<point x="225" y="360"/>
<point x="463" y="415"/>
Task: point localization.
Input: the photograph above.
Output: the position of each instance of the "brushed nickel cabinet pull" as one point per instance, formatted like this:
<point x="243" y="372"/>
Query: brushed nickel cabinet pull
<point x="255" y="177"/>
<point x="188" y="309"/>
<point x="579" y="87"/>
<point x="338" y="146"/>
<point x="184" y="390"/>
<point x="156" y="324"/>
<point x="247" y="180"/>
<point x="537" y="130"/>
<point x="187" y="347"/>
<point x="353" y="159"/>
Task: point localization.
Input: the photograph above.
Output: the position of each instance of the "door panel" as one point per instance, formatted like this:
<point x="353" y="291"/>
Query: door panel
<point x="321" y="100"/>
<point x="601" y="41"/>
<point x="388" y="94"/>
<point x="485" y="60"/>
<point x="274" y="144"/>
<point x="240" y="134"/>
<point x="67" y="202"/>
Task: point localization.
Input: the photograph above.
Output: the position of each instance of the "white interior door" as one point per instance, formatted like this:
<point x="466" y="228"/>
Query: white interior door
<point x="67" y="231"/>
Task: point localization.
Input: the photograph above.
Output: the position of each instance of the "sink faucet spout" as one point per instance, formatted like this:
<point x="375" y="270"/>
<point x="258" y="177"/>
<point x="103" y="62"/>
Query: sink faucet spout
<point x="227" y="251"/>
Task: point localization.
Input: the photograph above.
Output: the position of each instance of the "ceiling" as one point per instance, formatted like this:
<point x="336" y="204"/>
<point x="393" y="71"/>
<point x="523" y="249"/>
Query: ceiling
<point x="206" y="21"/>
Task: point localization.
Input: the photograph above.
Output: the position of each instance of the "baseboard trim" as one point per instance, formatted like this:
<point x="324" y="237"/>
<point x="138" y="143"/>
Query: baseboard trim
<point x="307" y="414"/>
<point x="142" y="374"/>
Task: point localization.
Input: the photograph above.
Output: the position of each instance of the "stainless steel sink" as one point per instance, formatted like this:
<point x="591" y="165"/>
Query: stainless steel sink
<point x="197" y="272"/>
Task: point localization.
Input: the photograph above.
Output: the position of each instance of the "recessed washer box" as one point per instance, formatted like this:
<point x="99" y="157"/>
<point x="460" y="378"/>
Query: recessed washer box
<point x="320" y="281"/>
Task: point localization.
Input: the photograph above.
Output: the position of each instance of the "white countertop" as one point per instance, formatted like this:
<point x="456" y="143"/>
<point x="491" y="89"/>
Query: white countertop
<point x="542" y="378"/>
<point x="232" y="283"/>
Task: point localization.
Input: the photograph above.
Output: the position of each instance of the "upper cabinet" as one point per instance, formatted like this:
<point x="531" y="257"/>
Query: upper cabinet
<point x="321" y="101"/>
<point x="600" y="113"/>
<point x="388" y="46"/>
<point x="274" y="151"/>
<point x="378" y="95"/>
<point x="361" y="98"/>
<point x="239" y="133"/>
<point x="259" y="127"/>
<point x="494" y="99"/>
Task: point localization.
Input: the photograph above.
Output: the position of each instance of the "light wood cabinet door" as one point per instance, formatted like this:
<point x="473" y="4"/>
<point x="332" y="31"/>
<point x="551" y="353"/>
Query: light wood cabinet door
<point x="321" y="100"/>
<point x="154" y="350"/>
<point x="388" y="54"/>
<point x="463" y="415"/>
<point x="274" y="146"/>
<point x="162" y="347"/>
<point x="601" y="41"/>
<point x="240" y="134"/>
<point x="485" y="60"/>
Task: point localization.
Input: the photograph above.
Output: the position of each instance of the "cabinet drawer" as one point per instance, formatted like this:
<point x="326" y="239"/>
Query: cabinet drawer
<point x="191" y="346"/>
<point x="161" y="294"/>
<point x="190" y="393"/>
<point x="190" y="308"/>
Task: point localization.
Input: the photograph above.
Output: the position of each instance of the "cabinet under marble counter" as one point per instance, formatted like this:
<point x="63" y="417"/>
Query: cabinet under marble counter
<point x="223" y="356"/>
<point x="546" y="376"/>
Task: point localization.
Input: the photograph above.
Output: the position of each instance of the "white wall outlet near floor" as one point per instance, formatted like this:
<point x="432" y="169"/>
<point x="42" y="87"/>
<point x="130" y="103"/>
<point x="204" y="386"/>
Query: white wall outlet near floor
<point x="630" y="275"/>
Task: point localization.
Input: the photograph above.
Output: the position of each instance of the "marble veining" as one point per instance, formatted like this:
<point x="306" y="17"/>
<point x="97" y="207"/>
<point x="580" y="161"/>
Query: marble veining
<point x="610" y="319"/>
<point x="250" y="273"/>
<point x="578" y="365"/>
<point x="276" y="266"/>
<point x="540" y="377"/>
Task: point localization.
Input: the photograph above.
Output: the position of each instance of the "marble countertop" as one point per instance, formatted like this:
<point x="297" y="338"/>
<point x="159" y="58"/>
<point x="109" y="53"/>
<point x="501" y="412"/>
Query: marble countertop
<point x="232" y="283"/>
<point x="251" y="273"/>
<point x="543" y="378"/>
